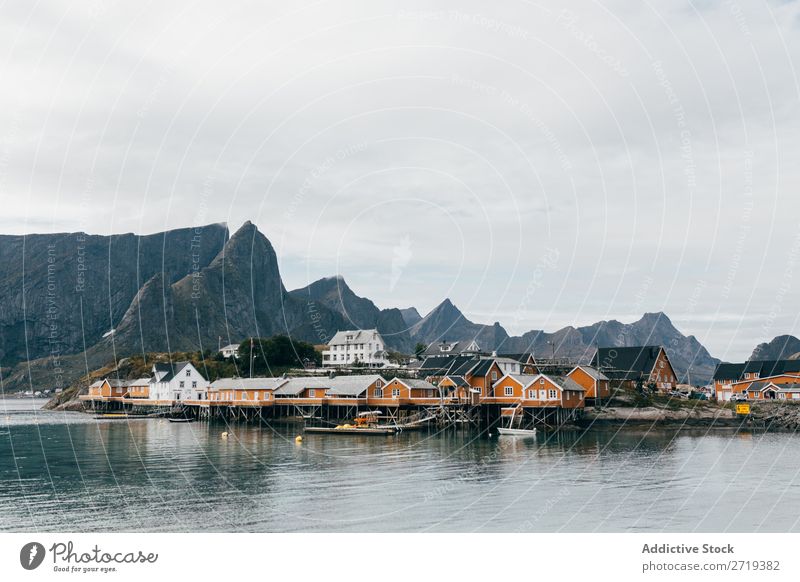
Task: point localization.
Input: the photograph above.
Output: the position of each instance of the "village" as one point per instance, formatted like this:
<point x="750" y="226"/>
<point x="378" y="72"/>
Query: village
<point x="449" y="383"/>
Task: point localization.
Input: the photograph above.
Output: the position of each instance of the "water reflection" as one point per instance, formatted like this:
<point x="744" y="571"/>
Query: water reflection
<point x="71" y="472"/>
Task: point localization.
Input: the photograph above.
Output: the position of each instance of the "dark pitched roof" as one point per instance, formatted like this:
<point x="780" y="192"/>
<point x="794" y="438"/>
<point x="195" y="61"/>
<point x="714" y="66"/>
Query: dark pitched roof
<point x="459" y="381"/>
<point x="443" y="365"/>
<point x="170" y="369"/>
<point x="629" y="363"/>
<point x="483" y="367"/>
<point x="727" y="371"/>
<point x="764" y="369"/>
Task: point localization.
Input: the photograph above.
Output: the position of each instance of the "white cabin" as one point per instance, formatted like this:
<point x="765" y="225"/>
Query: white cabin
<point x="364" y="346"/>
<point x="179" y="381"/>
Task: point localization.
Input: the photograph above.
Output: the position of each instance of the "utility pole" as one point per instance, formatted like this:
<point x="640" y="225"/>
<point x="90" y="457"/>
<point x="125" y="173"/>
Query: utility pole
<point x="251" y="357"/>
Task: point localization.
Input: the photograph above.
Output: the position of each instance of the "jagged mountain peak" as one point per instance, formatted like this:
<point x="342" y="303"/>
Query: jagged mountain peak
<point x="779" y="348"/>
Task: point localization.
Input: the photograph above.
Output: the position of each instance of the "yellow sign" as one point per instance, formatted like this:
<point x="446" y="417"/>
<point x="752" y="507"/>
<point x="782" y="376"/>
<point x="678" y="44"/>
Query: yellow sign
<point x="742" y="409"/>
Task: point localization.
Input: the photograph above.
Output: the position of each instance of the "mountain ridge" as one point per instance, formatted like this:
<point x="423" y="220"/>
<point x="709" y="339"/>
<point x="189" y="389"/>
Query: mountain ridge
<point x="188" y="289"/>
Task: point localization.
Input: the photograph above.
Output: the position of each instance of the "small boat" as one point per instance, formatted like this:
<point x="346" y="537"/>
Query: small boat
<point x="180" y="419"/>
<point x="520" y="432"/>
<point x="510" y="430"/>
<point x="364" y="423"/>
<point x="350" y="430"/>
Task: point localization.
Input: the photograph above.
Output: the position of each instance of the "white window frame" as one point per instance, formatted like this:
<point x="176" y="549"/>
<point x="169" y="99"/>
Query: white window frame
<point x="508" y="390"/>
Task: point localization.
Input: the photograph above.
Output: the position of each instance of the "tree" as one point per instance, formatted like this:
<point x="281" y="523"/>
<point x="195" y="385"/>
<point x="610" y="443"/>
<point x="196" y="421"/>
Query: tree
<point x="419" y="349"/>
<point x="270" y="355"/>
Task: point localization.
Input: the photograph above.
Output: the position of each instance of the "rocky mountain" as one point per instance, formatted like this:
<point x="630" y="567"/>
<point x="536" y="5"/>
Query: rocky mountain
<point x="189" y="304"/>
<point x="410" y="315"/>
<point x="71" y="302"/>
<point x="781" y="348"/>
<point x="446" y="323"/>
<point x="358" y="312"/>
<point x="239" y="294"/>
<point x="691" y="360"/>
<point x="60" y="293"/>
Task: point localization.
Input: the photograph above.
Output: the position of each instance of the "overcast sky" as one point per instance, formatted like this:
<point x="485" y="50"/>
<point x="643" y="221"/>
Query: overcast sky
<point x="541" y="167"/>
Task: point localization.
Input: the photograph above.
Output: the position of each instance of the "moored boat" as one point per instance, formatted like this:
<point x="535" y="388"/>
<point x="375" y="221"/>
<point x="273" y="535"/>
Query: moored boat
<point x="520" y="432"/>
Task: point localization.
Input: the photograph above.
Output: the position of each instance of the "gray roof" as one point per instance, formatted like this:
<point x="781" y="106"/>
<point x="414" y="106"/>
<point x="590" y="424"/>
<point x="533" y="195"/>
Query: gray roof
<point x="294" y="386"/>
<point x="567" y="383"/>
<point x="351" y="385"/>
<point x="417" y="384"/>
<point x="138" y="382"/>
<point x="247" y="383"/>
<point x="593" y="372"/>
<point x="360" y="336"/>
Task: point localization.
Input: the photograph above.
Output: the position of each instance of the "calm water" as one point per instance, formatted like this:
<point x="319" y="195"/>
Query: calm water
<point x="67" y="471"/>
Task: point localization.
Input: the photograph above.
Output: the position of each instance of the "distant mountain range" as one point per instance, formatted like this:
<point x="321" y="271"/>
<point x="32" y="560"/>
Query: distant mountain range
<point x="783" y="347"/>
<point x="72" y="302"/>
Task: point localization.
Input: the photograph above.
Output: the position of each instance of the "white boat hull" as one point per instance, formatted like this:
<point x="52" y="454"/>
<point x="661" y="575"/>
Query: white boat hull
<point x="516" y="431"/>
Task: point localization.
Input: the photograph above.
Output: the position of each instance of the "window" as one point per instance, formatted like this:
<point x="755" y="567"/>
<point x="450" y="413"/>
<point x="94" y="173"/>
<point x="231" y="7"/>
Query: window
<point x="509" y="391"/>
<point x="379" y="383"/>
<point x="494" y="375"/>
<point x="181" y="383"/>
<point x="312" y="393"/>
<point x="194" y="384"/>
<point x="377" y="393"/>
<point x="266" y="395"/>
<point x="552" y="394"/>
<point x="541" y="381"/>
<point x="395" y="392"/>
<point x="531" y="394"/>
<point x="188" y="372"/>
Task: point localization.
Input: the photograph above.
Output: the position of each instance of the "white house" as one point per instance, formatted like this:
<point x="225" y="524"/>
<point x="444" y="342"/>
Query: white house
<point x="230" y="351"/>
<point x="178" y="381"/>
<point x="365" y="346"/>
<point x="463" y="347"/>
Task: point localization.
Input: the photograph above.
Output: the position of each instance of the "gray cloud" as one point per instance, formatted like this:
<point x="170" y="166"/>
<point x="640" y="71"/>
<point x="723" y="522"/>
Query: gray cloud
<point x="643" y="142"/>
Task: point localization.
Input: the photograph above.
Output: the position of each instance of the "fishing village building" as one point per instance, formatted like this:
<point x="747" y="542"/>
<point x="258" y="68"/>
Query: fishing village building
<point x="179" y="381"/>
<point x="360" y="346"/>
<point x="461" y="387"/>
<point x="634" y="367"/>
<point x="757" y="380"/>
